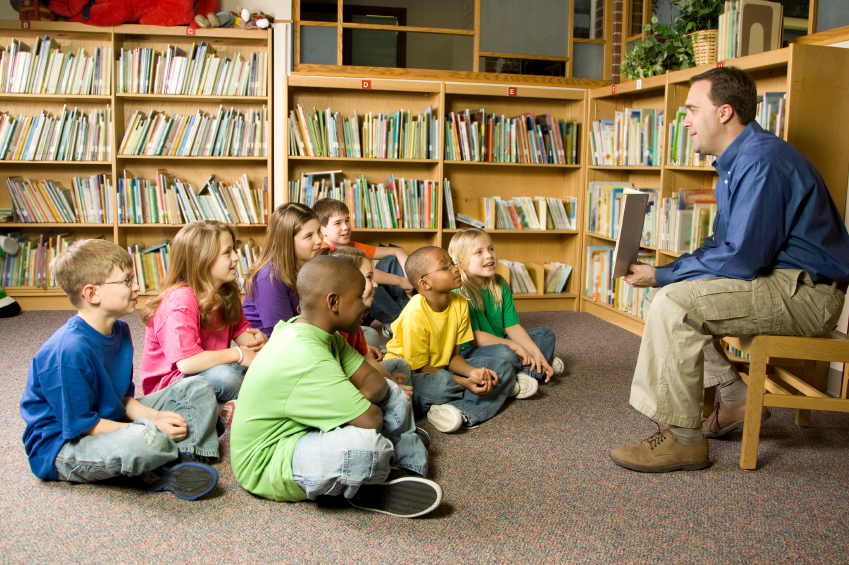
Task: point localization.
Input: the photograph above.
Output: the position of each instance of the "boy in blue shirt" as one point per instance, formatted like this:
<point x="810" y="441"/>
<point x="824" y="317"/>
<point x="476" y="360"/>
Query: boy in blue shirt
<point x="83" y="422"/>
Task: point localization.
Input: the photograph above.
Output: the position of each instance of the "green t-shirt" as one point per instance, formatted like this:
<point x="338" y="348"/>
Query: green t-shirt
<point x="299" y="382"/>
<point x="494" y="320"/>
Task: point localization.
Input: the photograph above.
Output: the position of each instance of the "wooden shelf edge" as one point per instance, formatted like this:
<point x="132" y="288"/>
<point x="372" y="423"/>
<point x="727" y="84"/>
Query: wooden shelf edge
<point x="613" y="315"/>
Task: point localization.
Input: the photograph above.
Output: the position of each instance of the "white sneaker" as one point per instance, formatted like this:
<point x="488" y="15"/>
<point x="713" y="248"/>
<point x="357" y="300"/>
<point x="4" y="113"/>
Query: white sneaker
<point x="557" y="365"/>
<point x="445" y="417"/>
<point x="386" y="331"/>
<point x="524" y="387"/>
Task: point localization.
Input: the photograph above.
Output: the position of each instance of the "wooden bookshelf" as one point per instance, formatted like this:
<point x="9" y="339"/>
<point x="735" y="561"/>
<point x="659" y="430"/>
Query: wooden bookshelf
<point x="815" y="102"/>
<point x="196" y="170"/>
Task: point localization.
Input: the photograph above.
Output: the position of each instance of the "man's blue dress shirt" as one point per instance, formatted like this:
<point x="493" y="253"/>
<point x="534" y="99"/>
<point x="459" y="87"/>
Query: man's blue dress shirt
<point x="773" y="212"/>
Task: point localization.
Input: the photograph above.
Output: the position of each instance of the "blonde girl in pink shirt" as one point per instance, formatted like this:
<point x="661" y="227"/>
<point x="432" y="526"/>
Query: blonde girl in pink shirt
<point x="191" y="324"/>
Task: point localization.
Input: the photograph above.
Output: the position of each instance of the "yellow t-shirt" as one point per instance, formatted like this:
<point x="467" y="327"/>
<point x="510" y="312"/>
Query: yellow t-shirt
<point x="424" y="337"/>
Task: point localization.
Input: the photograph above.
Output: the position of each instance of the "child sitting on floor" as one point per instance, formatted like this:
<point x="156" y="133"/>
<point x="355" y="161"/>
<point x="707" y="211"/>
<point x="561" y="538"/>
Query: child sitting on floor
<point x="314" y="419"/>
<point x="291" y="239"/>
<point x="395" y="290"/>
<point x="429" y="333"/>
<point x="495" y="322"/>
<point x="83" y="423"/>
<point x="198" y="313"/>
<point x="397" y="369"/>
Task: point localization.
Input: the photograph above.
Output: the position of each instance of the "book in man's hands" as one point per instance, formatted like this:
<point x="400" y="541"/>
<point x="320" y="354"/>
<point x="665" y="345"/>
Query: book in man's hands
<point x="630" y="230"/>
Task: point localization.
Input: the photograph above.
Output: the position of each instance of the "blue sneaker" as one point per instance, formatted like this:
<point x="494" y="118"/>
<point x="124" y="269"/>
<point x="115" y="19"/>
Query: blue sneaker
<point x="185" y="477"/>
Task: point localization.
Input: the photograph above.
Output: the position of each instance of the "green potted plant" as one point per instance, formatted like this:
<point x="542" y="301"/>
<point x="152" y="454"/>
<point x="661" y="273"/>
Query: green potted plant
<point x="665" y="49"/>
<point x="700" y="20"/>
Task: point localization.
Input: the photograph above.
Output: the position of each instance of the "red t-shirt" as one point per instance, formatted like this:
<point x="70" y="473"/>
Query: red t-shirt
<point x="357" y="341"/>
<point x="367" y="249"/>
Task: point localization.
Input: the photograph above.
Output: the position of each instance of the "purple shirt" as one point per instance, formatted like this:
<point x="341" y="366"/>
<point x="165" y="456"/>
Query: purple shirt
<point x="271" y="302"/>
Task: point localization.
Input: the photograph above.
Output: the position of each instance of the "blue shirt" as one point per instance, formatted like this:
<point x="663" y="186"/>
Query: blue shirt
<point x="78" y="377"/>
<point x="773" y="212"/>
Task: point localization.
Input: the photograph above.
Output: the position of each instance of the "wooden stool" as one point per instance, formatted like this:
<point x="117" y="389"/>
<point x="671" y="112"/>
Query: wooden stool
<point x="786" y="389"/>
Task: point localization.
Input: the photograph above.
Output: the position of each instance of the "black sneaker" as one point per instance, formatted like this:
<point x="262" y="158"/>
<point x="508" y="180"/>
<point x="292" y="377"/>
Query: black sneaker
<point x="424" y="436"/>
<point x="186" y="478"/>
<point x="404" y="497"/>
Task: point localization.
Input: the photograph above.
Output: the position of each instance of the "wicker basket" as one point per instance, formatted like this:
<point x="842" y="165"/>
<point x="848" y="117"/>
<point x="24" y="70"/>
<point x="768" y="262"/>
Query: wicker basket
<point x="704" y="46"/>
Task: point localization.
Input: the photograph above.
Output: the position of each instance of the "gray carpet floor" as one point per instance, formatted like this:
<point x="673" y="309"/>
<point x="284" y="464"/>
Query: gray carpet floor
<point x="534" y="484"/>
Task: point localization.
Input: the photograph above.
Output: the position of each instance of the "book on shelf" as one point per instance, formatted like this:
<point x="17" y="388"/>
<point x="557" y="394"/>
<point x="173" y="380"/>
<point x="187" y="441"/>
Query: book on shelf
<point x="169" y="200"/>
<point x="556" y="276"/>
<point x="604" y="209"/>
<point x="770" y="112"/>
<point x="601" y="286"/>
<point x="71" y="136"/>
<point x="523" y="212"/>
<point x="475" y="223"/>
<point x="42" y="68"/>
<point x="230" y="133"/>
<point x="523" y="279"/>
<point x="680" y="152"/>
<point x="88" y="200"/>
<point x="31" y="265"/>
<point x="450" y="219"/>
<point x="686" y="219"/>
<point x="482" y="137"/>
<point x="632" y="138"/>
<point x="749" y="27"/>
<point x="195" y="70"/>
<point x="393" y="135"/>
<point x="396" y="203"/>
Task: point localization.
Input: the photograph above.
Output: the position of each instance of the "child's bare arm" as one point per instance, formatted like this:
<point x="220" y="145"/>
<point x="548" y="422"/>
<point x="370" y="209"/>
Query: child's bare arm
<point x="479" y="381"/>
<point x="388" y="278"/>
<point x="169" y="422"/>
<point x="537" y="360"/>
<point x="482" y="339"/>
<point x="396" y="378"/>
<point x="207" y="359"/>
<point x="371" y="419"/>
<point x="398" y="252"/>
<point x="370" y="382"/>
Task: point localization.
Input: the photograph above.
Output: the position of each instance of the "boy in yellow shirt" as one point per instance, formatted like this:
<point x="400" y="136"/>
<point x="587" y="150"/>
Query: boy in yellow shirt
<point x="428" y="335"/>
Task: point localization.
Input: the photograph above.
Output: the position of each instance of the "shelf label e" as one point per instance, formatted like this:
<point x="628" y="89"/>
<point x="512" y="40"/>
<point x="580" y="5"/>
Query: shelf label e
<point x="511" y="91"/>
<point x="720" y="63"/>
<point x="612" y="89"/>
<point x="366" y="85"/>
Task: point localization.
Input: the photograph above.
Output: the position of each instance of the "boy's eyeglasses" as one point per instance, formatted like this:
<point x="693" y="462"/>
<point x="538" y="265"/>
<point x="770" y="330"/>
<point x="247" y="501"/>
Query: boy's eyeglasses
<point x="128" y="281"/>
<point x="446" y="267"/>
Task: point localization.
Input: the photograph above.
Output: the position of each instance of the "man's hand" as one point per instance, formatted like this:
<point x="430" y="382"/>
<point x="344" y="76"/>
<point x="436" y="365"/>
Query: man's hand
<point x="375" y="352"/>
<point x="172" y="424"/>
<point x="259" y="340"/>
<point x="641" y="276"/>
<point x="399" y="380"/>
<point x="481" y="381"/>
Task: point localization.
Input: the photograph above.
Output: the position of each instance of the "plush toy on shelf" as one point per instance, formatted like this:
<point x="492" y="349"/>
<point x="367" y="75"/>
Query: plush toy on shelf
<point x="241" y="18"/>
<point x="145" y="12"/>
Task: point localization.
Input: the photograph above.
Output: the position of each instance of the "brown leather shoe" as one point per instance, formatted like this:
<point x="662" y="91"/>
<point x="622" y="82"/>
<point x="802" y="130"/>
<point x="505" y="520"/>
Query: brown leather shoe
<point x="727" y="418"/>
<point x="661" y="453"/>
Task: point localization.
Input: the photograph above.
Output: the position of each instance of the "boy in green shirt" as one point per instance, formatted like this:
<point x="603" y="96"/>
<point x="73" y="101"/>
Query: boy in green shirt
<point x="314" y="420"/>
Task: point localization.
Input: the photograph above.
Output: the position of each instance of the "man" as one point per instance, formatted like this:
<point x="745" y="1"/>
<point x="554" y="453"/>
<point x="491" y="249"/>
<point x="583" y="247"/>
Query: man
<point x="777" y="263"/>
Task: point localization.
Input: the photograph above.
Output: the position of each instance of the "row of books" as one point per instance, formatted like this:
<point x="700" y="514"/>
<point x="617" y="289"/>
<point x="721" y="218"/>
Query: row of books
<point x="230" y="133"/>
<point x="681" y="145"/>
<point x="534" y="278"/>
<point x="604" y="209"/>
<point x="43" y="69"/>
<point x="394" y="203"/>
<point x="600" y="286"/>
<point x="770" y="112"/>
<point x="686" y="219"/>
<point x="197" y="72"/>
<point x="71" y="136"/>
<point x="151" y="262"/>
<point x="518" y="277"/>
<point x="88" y="200"/>
<point x="396" y="135"/>
<point x="729" y="350"/>
<point x="748" y="27"/>
<point x="631" y="138"/>
<point x="30" y="266"/>
<point x="528" y="213"/>
<point x="478" y="136"/>
<point x="168" y="200"/>
<point x="556" y="276"/>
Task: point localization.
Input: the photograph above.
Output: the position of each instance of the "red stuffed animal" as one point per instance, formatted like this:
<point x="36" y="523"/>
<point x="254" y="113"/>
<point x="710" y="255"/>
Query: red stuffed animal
<point x="145" y="12"/>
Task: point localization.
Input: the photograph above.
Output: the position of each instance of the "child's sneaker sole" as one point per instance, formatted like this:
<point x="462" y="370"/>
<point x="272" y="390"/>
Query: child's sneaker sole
<point x="188" y="481"/>
<point x="406" y="497"/>
<point x="557" y="365"/>
<point x="445" y="418"/>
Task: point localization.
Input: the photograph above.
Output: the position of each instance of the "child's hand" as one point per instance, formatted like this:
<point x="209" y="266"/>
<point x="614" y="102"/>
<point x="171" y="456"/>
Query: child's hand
<point x="375" y="352"/>
<point x="522" y="353"/>
<point x="259" y="340"/>
<point x="248" y="355"/>
<point x="399" y="380"/>
<point x="540" y="365"/>
<point x="404" y="284"/>
<point x="172" y="424"/>
<point x="481" y="381"/>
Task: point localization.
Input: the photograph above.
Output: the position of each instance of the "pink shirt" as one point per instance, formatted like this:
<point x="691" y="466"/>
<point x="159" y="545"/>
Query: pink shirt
<point x="174" y="334"/>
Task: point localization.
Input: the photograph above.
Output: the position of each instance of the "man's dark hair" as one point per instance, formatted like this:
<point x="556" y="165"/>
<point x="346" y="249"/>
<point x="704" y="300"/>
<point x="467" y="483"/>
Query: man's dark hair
<point x="732" y="86"/>
<point x="326" y="208"/>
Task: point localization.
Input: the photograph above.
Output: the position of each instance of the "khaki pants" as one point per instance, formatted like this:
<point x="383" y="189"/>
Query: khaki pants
<point x="679" y="354"/>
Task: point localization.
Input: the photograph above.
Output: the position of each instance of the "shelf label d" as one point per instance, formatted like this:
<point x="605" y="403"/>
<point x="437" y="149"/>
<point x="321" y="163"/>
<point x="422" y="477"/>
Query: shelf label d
<point x="366" y="85"/>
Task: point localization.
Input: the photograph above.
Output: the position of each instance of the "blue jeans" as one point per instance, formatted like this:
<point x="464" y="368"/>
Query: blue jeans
<point x="341" y="460"/>
<point x="226" y="380"/>
<point x="142" y="446"/>
<point x="543" y="338"/>
<point x="441" y="388"/>
<point x="371" y="335"/>
<point x="389" y="300"/>
<point x="397" y="365"/>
